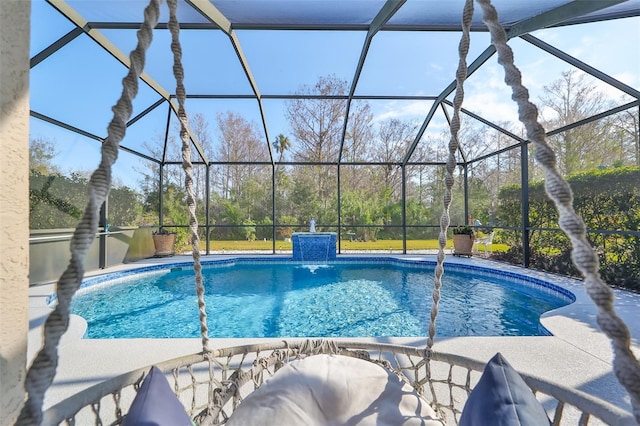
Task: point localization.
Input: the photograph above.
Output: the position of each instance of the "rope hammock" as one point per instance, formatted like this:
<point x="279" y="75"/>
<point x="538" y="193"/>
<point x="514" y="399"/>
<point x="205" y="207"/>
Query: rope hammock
<point x="211" y="384"/>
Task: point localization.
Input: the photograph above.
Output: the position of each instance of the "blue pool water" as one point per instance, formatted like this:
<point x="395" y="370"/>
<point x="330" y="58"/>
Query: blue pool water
<point x="288" y="299"/>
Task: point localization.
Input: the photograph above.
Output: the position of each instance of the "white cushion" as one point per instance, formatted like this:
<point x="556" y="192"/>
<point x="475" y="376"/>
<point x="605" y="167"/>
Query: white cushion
<point x="334" y="390"/>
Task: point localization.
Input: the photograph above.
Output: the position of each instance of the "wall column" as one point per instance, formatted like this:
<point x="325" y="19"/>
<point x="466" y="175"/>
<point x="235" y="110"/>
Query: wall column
<point x="14" y="204"/>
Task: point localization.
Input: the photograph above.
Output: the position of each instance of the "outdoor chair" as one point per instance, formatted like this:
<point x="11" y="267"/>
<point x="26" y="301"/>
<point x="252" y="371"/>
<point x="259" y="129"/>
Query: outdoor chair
<point x="486" y="241"/>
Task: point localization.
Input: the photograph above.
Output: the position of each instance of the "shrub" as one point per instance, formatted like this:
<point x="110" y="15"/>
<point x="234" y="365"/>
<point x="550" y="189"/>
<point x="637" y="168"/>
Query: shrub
<point x="607" y="200"/>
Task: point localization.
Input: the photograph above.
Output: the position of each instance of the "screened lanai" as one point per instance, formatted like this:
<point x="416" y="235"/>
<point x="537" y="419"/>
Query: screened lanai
<point x="336" y="111"/>
<point x="327" y="113"/>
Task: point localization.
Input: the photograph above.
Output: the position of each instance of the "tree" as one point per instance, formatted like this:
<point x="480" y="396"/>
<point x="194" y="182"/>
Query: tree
<point x="358" y="139"/>
<point x="200" y="129"/>
<point x="317" y="122"/>
<point x="358" y="209"/>
<point x="434" y="182"/>
<point x="150" y="183"/>
<point x="420" y="175"/>
<point x="255" y="198"/>
<point x="58" y="201"/>
<point x="486" y="177"/>
<point x="281" y="144"/>
<point x="125" y="208"/>
<point x="304" y="199"/>
<point x="249" y="228"/>
<point x="55" y="201"/>
<point x="394" y="138"/>
<point x="359" y="133"/>
<point x="239" y="142"/>
<point x="565" y="101"/>
<point x="227" y="214"/>
<point x="626" y="131"/>
<point x="41" y="152"/>
<point x="173" y="174"/>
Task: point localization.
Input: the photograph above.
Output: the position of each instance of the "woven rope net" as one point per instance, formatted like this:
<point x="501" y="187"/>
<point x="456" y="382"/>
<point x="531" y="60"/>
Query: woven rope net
<point x="212" y="383"/>
<point x="443" y="379"/>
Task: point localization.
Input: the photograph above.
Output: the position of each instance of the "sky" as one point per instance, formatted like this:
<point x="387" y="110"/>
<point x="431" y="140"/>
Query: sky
<point x="79" y="83"/>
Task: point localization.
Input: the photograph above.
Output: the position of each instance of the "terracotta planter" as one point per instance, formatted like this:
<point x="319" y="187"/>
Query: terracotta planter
<point x="163" y="244"/>
<point x="462" y="244"/>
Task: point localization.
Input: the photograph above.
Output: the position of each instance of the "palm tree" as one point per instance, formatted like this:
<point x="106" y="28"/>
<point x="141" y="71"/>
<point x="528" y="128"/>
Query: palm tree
<point x="281" y="144"/>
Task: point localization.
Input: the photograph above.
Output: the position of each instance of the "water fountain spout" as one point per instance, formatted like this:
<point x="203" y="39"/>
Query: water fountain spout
<point x="314" y="246"/>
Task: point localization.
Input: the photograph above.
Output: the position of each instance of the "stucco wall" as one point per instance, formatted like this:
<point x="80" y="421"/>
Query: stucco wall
<point x="14" y="203"/>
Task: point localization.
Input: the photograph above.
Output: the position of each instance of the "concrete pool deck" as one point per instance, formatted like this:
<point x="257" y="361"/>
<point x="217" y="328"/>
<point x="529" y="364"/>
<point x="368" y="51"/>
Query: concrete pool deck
<point x="578" y="354"/>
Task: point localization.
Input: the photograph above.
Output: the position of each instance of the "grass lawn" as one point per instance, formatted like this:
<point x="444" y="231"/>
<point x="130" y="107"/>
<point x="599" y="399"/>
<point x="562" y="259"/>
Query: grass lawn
<point x="382" y="245"/>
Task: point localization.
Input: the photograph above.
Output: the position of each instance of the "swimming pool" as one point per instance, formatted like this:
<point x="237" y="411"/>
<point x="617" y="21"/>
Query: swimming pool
<point x="356" y="297"/>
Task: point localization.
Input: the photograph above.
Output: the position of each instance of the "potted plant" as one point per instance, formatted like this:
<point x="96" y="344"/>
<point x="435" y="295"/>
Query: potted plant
<point x="463" y="237"/>
<point x="163" y="242"/>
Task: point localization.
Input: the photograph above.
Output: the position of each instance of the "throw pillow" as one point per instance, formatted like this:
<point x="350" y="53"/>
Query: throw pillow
<point x="502" y="397"/>
<point x="156" y="404"/>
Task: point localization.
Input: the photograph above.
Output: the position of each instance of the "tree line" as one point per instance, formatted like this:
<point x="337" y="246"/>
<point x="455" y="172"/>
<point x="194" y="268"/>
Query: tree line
<point x="370" y="200"/>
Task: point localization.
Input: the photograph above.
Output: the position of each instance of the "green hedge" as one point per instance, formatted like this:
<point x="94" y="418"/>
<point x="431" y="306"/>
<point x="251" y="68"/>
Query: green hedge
<point x="606" y="199"/>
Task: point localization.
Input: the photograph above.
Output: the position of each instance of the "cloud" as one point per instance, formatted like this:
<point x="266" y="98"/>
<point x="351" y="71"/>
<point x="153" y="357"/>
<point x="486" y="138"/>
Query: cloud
<point x="609" y="91"/>
<point x="402" y="110"/>
<point x="492" y="108"/>
<point x="488" y="96"/>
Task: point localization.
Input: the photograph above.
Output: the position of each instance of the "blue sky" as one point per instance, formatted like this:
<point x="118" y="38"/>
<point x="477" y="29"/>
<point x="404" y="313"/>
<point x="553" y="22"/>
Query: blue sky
<point x="80" y="83"/>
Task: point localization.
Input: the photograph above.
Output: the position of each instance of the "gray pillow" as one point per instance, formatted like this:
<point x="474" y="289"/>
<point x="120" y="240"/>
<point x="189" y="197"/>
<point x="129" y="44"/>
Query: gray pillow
<point x="156" y="404"/>
<point x="502" y="397"/>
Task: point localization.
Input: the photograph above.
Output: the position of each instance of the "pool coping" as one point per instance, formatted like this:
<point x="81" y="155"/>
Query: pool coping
<point x="576" y="336"/>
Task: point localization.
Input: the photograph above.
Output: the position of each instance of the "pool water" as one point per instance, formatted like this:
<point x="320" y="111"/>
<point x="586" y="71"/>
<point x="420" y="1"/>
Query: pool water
<point x="294" y="300"/>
